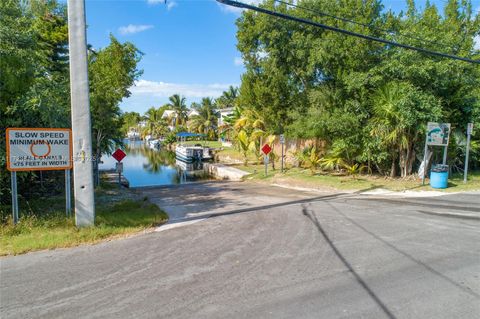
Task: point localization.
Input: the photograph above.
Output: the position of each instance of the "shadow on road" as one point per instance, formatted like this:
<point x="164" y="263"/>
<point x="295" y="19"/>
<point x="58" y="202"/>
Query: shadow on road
<point x="418" y="262"/>
<point x="359" y="279"/>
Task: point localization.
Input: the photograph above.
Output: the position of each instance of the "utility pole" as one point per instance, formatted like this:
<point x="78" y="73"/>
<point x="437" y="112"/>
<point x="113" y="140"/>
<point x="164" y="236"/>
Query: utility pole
<point x="81" y="122"/>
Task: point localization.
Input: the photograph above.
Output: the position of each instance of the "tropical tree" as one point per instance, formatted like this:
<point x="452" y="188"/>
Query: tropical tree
<point x="399" y="112"/>
<point x="112" y="71"/>
<point x="206" y="120"/>
<point x="129" y="120"/>
<point x="156" y="125"/>
<point x="178" y="104"/>
<point x="228" y="98"/>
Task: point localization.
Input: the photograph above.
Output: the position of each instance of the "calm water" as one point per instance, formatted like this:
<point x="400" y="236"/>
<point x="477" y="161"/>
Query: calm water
<point x="146" y="167"/>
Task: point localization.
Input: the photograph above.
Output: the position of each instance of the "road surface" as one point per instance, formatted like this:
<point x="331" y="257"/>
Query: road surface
<point x="265" y="252"/>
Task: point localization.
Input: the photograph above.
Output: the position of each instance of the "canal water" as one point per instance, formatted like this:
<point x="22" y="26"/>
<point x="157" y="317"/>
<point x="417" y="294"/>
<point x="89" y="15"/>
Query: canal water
<point x="151" y="167"/>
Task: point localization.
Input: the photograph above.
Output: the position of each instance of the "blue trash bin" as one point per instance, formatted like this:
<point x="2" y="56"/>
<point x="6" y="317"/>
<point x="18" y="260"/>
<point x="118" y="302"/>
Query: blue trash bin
<point x="439" y="176"/>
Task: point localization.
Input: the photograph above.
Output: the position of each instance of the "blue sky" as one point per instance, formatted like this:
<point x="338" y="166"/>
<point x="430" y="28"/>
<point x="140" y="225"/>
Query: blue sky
<point x="189" y="45"/>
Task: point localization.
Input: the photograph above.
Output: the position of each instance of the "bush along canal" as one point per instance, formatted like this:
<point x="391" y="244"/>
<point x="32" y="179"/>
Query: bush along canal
<point x="144" y="166"/>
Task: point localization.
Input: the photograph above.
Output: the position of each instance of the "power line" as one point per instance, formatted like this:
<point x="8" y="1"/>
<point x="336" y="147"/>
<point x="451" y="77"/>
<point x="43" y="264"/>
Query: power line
<point x="392" y="32"/>
<point x="335" y="29"/>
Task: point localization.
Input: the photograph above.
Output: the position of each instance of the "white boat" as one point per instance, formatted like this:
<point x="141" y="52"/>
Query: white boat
<point x="133" y="135"/>
<point x="188" y="153"/>
<point x="154" y="144"/>
<point x="207" y="153"/>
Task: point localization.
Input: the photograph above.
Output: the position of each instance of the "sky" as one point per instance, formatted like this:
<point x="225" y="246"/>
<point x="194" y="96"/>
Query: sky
<point x="189" y="46"/>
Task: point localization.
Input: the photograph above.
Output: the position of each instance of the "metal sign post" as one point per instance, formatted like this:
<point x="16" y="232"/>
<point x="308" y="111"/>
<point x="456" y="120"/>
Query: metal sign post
<point x="68" y="196"/>
<point x="469" y="133"/>
<point x="282" y="142"/>
<point x="119" y="169"/>
<point x="265" y="160"/>
<point x="14" y="198"/>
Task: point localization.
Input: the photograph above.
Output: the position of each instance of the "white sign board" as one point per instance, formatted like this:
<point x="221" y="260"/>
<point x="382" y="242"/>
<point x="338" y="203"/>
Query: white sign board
<point x="438" y="133"/>
<point x="470" y="128"/>
<point x="37" y="149"/>
<point x="282" y="139"/>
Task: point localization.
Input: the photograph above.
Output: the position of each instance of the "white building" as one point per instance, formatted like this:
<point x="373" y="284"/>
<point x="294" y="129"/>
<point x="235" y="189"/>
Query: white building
<point x="224" y="113"/>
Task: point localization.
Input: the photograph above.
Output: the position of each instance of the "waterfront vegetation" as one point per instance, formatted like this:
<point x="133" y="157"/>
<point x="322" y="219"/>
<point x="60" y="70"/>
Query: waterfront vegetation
<point x="302" y="178"/>
<point x="43" y="224"/>
<point x="358" y="107"/>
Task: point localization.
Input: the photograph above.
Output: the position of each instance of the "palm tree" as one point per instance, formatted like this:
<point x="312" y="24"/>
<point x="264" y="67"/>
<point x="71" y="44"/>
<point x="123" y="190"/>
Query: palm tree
<point x="389" y="123"/>
<point x="156" y="125"/>
<point x="178" y="104"/>
<point x="252" y="123"/>
<point x="206" y="120"/>
<point x="228" y="98"/>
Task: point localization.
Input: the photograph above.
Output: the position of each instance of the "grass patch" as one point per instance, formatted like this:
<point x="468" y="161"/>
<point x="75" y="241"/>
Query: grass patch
<point x="45" y="226"/>
<point x="299" y="177"/>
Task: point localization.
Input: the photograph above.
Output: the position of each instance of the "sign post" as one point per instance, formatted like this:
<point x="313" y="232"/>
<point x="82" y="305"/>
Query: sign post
<point x="68" y="195"/>
<point x="282" y="142"/>
<point x="14" y="198"/>
<point x="266" y="149"/>
<point x="119" y="155"/>
<point x="38" y="149"/>
<point x="469" y="133"/>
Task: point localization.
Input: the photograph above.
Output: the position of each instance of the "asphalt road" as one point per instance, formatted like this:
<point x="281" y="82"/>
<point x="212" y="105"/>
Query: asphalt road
<point x="266" y="252"/>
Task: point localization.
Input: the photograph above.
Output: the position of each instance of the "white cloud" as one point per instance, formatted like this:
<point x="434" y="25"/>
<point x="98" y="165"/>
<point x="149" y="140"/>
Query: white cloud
<point x="131" y="28"/>
<point x="477" y="42"/>
<point x="163" y="89"/>
<point x="171" y="4"/>
<point x="230" y="9"/>
<point x="238" y="61"/>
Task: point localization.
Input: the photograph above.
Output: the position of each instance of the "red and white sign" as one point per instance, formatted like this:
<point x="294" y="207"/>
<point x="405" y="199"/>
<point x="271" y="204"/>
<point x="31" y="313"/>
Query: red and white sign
<point x="266" y="149"/>
<point x="39" y="149"/>
<point x="119" y="155"/>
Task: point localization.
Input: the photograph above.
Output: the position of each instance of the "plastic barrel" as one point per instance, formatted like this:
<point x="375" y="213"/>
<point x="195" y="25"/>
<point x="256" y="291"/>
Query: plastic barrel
<point x="439" y="179"/>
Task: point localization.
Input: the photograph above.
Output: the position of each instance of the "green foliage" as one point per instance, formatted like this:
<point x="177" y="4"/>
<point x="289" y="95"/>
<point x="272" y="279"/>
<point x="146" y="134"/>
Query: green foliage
<point x="373" y="99"/>
<point x="207" y="119"/>
<point x="178" y="104"/>
<point x="112" y="71"/>
<point x="129" y="120"/>
<point x="34" y="72"/>
<point x="228" y="98"/>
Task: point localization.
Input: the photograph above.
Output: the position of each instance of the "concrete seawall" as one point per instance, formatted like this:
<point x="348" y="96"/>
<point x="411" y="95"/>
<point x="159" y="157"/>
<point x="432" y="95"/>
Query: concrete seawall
<point x="224" y="172"/>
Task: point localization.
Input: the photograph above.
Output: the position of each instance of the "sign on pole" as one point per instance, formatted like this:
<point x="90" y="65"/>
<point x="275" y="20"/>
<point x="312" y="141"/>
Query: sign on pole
<point x="38" y="149"/>
<point x="266" y="149"/>
<point x="119" y="155"/>
<point x="438" y="134"/>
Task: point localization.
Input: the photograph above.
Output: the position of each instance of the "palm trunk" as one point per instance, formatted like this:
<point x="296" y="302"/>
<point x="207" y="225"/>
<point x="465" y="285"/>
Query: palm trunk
<point x="393" y="168"/>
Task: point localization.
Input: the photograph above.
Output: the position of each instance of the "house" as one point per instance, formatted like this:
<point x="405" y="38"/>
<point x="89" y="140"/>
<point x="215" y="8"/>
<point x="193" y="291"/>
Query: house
<point x="192" y="112"/>
<point x="223" y="113"/>
<point x="171" y="118"/>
